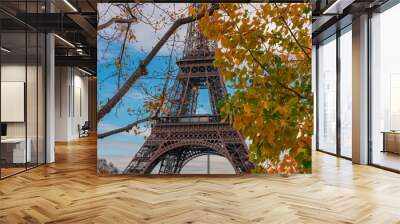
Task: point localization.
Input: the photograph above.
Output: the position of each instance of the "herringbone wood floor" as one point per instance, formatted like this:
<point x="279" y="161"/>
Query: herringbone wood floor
<point x="70" y="191"/>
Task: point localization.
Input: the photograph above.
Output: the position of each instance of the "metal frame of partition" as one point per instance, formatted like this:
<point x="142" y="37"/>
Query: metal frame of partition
<point x="42" y="117"/>
<point x="0" y="89"/>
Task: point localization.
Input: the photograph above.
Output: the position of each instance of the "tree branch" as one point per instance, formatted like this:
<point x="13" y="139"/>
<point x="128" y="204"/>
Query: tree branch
<point x="292" y="34"/>
<point x="276" y="80"/>
<point x="116" y="20"/>
<point x="124" y="129"/>
<point x="120" y="59"/>
<point x="141" y="70"/>
<point x="264" y="68"/>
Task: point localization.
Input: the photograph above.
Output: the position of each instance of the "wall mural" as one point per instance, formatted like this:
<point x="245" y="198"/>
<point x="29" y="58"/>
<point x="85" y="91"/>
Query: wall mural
<point x="195" y="88"/>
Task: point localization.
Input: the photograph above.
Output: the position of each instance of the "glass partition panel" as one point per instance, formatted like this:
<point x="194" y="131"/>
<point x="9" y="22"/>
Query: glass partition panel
<point x="22" y="77"/>
<point x="14" y="153"/>
<point x="31" y="98"/>
<point x="346" y="93"/>
<point x="327" y="95"/>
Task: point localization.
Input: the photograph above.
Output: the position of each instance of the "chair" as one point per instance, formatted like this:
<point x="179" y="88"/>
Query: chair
<point x="84" y="130"/>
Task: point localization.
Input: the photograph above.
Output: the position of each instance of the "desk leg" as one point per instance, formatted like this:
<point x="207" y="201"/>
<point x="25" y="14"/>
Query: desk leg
<point x="384" y="142"/>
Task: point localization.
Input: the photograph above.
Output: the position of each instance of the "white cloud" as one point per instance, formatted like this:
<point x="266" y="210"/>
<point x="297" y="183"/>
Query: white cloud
<point x="118" y="145"/>
<point x="142" y="131"/>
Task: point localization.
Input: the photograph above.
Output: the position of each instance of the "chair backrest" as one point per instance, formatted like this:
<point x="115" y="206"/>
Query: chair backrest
<point x="86" y="125"/>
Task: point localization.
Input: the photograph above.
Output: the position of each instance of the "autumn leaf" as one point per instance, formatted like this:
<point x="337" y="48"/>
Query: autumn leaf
<point x="131" y="36"/>
<point x="237" y="61"/>
<point x="117" y="63"/>
<point x="266" y="57"/>
<point x="192" y="11"/>
<point x="247" y="108"/>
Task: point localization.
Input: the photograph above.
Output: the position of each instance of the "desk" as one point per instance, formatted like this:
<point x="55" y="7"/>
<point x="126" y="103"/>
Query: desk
<point x="13" y="150"/>
<point x="391" y="141"/>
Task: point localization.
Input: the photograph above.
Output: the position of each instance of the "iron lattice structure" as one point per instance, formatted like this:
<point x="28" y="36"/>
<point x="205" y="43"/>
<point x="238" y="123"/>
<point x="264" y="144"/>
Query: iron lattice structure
<point x="181" y="135"/>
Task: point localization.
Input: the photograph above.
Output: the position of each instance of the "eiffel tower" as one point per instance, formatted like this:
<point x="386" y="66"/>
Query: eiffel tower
<point x="181" y="135"/>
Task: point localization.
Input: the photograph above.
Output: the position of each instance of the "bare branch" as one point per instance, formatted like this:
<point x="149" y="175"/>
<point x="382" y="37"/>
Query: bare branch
<point x="120" y="59"/>
<point x="116" y="20"/>
<point x="124" y="129"/>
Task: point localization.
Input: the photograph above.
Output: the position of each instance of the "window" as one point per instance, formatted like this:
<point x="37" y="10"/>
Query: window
<point x="327" y="96"/>
<point x="346" y="92"/>
<point x="385" y="89"/>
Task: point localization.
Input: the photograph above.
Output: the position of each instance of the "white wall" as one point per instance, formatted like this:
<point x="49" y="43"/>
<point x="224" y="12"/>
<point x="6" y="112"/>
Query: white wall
<point x="80" y="110"/>
<point x="71" y="102"/>
<point x="61" y="103"/>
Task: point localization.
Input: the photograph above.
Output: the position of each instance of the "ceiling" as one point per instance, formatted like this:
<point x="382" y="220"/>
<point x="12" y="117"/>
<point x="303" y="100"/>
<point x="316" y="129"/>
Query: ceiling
<point x="74" y="22"/>
<point x="330" y="15"/>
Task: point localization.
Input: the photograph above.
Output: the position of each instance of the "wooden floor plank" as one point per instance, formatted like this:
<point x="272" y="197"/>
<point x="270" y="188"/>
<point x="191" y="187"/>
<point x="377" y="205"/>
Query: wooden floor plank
<point x="70" y="191"/>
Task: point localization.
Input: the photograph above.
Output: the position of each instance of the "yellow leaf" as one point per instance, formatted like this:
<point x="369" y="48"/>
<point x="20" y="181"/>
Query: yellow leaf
<point x="237" y="61"/>
<point x="192" y="11"/>
<point x="247" y="108"/>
